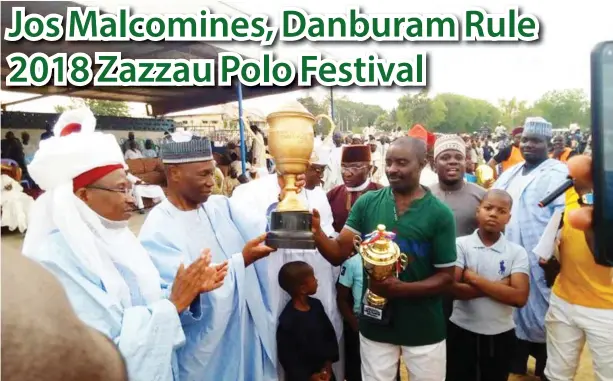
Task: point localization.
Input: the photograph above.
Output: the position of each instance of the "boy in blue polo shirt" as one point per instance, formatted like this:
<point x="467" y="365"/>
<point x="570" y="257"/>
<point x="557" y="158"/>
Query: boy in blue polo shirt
<point x="491" y="278"/>
<point x="349" y="288"/>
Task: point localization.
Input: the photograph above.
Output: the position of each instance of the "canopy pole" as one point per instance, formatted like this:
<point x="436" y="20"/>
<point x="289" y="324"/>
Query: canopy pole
<point x="239" y="90"/>
<point x="332" y="102"/>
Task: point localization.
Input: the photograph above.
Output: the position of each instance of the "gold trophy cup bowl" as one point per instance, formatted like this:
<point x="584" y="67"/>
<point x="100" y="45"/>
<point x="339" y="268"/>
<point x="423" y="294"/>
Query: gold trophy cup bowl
<point x="381" y="259"/>
<point x="485" y="175"/>
<point x="290" y="142"/>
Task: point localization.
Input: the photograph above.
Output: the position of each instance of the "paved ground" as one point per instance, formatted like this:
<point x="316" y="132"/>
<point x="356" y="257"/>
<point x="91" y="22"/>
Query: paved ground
<point x="13" y="241"/>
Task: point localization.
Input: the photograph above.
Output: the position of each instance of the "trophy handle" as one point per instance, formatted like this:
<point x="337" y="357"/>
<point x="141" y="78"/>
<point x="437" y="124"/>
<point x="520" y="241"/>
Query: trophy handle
<point x="332" y="124"/>
<point x="404" y="261"/>
<point x="357" y="241"/>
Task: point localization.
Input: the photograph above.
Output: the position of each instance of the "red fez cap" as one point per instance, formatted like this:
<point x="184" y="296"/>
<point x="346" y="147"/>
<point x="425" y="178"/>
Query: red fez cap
<point x="517" y="130"/>
<point x="431" y="140"/>
<point x="419" y="132"/>
<point x="93" y="175"/>
<point x="356" y="153"/>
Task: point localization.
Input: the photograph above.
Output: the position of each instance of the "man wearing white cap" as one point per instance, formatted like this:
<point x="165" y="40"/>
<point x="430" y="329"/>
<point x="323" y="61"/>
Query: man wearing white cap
<point x="529" y="182"/>
<point x="462" y="197"/>
<point x="260" y="197"/>
<point x="79" y="232"/>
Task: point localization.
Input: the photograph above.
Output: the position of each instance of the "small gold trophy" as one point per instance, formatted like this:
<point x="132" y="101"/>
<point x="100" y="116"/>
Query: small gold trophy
<point x="382" y="258"/>
<point x="485" y="175"/>
<point x="290" y="141"/>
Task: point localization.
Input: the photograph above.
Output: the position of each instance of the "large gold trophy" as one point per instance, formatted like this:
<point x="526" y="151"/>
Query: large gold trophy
<point x="290" y="142"/>
<point x="382" y="259"/>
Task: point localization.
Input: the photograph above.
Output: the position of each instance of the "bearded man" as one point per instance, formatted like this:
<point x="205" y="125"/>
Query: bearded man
<point x="425" y="232"/>
<point x="79" y="231"/>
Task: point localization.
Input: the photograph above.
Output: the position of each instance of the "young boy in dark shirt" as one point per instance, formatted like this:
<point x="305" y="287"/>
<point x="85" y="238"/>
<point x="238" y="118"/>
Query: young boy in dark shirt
<point x="306" y="342"/>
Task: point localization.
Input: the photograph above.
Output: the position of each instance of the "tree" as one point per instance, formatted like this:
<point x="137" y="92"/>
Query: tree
<point x="386" y="121"/>
<point x="420" y="109"/>
<point x="98" y="107"/>
<point x="563" y="107"/>
<point x="465" y="114"/>
<point x="513" y="112"/>
<point x="316" y="108"/>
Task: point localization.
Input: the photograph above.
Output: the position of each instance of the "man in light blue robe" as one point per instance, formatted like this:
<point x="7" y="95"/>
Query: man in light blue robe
<point x="528" y="183"/>
<point x="232" y="336"/>
<point x="80" y="234"/>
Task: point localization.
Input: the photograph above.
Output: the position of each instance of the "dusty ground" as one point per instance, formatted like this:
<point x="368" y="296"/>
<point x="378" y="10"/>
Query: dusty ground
<point x="584" y="373"/>
<point x="13" y="241"/>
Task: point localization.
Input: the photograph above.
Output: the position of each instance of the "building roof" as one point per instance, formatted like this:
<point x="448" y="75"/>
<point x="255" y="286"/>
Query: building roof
<point x="228" y="111"/>
<point x="162" y="100"/>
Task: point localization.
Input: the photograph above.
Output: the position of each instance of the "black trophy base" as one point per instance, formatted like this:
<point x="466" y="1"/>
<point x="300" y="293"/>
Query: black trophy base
<point x="291" y="230"/>
<point x="375" y="315"/>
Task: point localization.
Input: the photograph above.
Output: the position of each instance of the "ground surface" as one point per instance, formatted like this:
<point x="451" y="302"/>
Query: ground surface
<point x="13" y="242"/>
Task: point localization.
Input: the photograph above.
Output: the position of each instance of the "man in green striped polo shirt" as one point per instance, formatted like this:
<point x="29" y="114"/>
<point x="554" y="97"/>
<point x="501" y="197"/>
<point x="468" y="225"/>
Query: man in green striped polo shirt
<point x="425" y="232"/>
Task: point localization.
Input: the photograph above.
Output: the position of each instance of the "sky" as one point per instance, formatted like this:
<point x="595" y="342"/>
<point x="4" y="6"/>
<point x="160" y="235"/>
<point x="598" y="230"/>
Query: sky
<point x="490" y="71"/>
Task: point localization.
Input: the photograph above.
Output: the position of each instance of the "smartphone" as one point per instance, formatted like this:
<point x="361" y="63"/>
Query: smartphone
<point x="602" y="150"/>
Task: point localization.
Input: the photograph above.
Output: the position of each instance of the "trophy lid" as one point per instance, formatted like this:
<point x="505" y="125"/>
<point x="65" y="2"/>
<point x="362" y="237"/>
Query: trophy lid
<point x="291" y="107"/>
<point x="378" y="247"/>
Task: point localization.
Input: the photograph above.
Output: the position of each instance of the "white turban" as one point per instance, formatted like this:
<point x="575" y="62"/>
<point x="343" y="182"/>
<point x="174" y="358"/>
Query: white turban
<point x="97" y="243"/>
<point x="62" y="158"/>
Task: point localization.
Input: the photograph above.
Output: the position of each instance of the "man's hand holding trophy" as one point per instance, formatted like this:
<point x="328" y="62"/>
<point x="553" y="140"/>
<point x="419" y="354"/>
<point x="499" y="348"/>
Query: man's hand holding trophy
<point x="383" y="262"/>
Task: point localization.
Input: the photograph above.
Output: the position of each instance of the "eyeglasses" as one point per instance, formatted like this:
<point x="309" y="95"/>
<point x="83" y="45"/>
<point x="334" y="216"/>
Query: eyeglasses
<point x="318" y="169"/>
<point x="125" y="191"/>
<point x="352" y="169"/>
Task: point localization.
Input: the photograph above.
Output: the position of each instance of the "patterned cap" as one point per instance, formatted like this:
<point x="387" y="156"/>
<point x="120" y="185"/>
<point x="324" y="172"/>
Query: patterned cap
<point x="538" y="126"/>
<point x="449" y="142"/>
<point x="185" y="148"/>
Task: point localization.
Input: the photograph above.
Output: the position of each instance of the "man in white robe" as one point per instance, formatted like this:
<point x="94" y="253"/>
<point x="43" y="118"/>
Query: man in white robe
<point x="15" y="205"/>
<point x="232" y="336"/>
<point x="260" y="197"/>
<point x="80" y="233"/>
<point x="334" y="177"/>
<point x="141" y="190"/>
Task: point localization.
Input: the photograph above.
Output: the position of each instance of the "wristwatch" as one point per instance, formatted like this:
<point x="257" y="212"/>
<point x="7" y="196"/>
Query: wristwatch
<point x="586" y="199"/>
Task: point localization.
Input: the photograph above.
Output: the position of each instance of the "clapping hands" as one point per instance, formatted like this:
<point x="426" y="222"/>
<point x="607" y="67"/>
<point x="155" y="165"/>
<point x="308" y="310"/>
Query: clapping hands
<point x="197" y="278"/>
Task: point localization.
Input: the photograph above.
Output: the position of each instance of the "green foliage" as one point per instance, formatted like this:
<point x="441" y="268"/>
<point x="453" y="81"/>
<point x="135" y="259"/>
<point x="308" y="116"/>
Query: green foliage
<point x="316" y="108"/>
<point x="348" y="115"/>
<point x="420" y="109"/>
<point x="450" y="113"/>
<point x="564" y="107"/>
<point x="98" y="107"/>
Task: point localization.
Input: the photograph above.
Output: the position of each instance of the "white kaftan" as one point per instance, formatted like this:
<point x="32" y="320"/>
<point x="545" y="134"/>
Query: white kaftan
<point x="147" y="334"/>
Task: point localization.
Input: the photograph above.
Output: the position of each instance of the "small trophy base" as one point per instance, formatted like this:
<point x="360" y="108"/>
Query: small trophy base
<point x="375" y="315"/>
<point x="291" y="230"/>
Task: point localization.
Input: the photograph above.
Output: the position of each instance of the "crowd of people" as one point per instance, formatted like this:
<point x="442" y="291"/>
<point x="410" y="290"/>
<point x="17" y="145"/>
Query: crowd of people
<point x="198" y="295"/>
